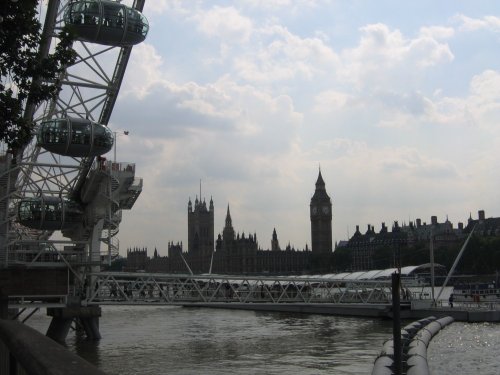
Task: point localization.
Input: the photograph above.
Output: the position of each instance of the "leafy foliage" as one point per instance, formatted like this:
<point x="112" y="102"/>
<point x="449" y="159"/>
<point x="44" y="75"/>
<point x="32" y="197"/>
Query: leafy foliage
<point x="481" y="256"/>
<point x="26" y="78"/>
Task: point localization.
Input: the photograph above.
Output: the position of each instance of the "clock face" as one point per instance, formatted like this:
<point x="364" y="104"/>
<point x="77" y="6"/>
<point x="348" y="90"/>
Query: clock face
<point x="314" y="210"/>
<point x="326" y="209"/>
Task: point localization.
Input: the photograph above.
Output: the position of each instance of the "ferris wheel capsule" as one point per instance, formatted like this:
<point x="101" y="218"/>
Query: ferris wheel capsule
<point x="106" y="22"/>
<point x="75" y="137"/>
<point x="48" y="213"/>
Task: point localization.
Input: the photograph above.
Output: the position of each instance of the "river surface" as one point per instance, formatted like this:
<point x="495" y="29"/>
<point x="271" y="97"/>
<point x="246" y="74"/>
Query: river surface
<point x="175" y="340"/>
<point x="465" y="348"/>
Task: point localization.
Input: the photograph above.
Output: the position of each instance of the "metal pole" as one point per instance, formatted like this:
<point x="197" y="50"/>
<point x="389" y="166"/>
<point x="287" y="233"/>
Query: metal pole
<point x="110" y="221"/>
<point x="187" y="265"/>
<point x="431" y="249"/>
<point x="396" y="324"/>
<point x="455" y="263"/>
<point x="114" y="149"/>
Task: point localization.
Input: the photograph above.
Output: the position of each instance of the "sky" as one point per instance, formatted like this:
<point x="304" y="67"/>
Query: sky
<point x="396" y="101"/>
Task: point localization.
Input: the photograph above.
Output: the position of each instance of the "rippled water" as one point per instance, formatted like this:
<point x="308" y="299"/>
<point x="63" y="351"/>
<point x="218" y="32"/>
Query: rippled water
<point x="464" y="348"/>
<point x="175" y="340"/>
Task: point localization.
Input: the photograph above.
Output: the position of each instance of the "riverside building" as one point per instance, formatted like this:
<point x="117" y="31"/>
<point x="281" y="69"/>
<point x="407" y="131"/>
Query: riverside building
<point x="234" y="252"/>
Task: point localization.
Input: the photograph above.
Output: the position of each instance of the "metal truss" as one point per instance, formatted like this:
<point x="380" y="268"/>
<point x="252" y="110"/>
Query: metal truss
<point x="31" y="304"/>
<point x="117" y="288"/>
<point x="89" y="89"/>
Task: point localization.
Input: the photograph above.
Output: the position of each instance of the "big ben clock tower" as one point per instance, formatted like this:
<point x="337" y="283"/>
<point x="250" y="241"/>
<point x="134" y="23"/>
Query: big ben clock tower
<point x="321" y="219"/>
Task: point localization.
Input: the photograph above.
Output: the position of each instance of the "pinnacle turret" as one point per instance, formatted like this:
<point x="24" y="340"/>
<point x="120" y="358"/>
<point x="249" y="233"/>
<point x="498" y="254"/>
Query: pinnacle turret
<point x="320" y="184"/>
<point x="229" y="222"/>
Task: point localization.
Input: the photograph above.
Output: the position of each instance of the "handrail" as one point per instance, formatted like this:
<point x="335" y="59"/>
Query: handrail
<point x="39" y="355"/>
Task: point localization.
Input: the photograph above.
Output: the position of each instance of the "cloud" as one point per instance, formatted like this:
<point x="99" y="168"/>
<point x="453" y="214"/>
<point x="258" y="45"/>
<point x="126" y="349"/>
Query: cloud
<point x="384" y="57"/>
<point x="285" y="56"/>
<point x="395" y="109"/>
<point x="466" y="23"/>
<point x="370" y="184"/>
<point x="486" y="86"/>
<point x="223" y="129"/>
<point x="158" y="7"/>
<point x="292" y="6"/>
<point x="437" y="32"/>
<point x="251" y="100"/>
<point x="411" y="164"/>
<point x="225" y="23"/>
<point x="480" y="108"/>
<point x="145" y="70"/>
<point x="332" y="100"/>
<point x="386" y="109"/>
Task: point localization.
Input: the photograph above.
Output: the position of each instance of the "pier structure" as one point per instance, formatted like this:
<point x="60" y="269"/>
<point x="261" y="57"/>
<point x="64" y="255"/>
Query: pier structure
<point x="61" y="201"/>
<point x="341" y="294"/>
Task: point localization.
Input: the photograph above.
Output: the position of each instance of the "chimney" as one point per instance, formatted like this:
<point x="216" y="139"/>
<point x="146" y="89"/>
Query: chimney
<point x="434" y="220"/>
<point x="419" y="223"/>
<point x="461" y="226"/>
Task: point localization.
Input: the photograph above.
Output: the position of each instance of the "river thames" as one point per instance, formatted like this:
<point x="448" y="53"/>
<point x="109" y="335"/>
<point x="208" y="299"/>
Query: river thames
<point x="181" y="341"/>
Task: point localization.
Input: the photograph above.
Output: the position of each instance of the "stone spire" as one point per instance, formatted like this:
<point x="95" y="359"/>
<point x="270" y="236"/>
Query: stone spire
<point x="275" y="245"/>
<point x="320" y="184"/>
<point x="228" y="231"/>
<point x="229" y="223"/>
<point x="320" y="192"/>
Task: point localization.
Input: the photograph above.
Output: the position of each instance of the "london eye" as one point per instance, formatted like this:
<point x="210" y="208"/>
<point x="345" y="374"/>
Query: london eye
<point x="61" y="202"/>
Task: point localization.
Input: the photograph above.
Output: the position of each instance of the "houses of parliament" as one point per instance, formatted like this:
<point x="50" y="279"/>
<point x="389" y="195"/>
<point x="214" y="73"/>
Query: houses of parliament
<point x="234" y="253"/>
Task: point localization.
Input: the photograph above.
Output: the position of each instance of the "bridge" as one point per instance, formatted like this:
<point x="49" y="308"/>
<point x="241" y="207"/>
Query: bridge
<point x="133" y="288"/>
<point x="315" y="294"/>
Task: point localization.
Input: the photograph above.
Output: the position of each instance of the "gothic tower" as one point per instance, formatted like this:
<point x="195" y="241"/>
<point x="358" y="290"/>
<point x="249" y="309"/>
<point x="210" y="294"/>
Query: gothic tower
<point x="228" y="231"/>
<point x="275" y="245"/>
<point x="321" y="219"/>
<point x="200" y="227"/>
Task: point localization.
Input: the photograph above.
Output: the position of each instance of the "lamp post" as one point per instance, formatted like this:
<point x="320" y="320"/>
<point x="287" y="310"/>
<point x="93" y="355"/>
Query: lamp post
<point x="122" y="132"/>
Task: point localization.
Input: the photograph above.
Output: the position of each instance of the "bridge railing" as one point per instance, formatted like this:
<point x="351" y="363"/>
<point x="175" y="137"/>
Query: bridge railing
<point x="140" y="288"/>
